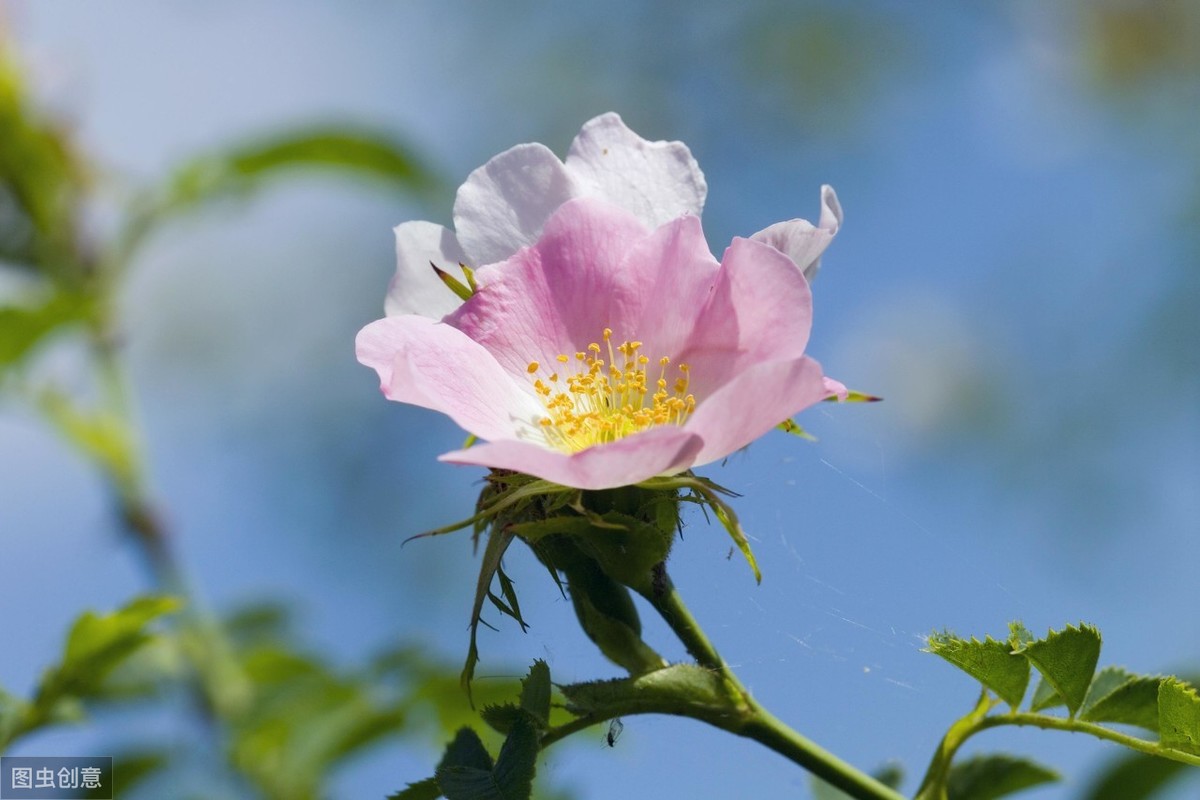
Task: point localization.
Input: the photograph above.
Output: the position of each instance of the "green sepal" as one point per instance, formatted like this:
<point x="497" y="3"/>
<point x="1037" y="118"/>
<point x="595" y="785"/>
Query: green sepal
<point x="498" y="541"/>
<point x="463" y="291"/>
<point x="708" y="495"/>
<point x="794" y="428"/>
<point x="854" y="397"/>
<point x="1179" y="716"/>
<point x="1119" y="696"/>
<point x="990" y="662"/>
<point x="1067" y="659"/>
<point x="663" y="691"/>
<point x="991" y="776"/>
<point x="604" y="607"/>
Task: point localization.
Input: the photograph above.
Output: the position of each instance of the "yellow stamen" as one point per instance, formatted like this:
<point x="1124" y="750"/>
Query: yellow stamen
<point x="602" y="402"/>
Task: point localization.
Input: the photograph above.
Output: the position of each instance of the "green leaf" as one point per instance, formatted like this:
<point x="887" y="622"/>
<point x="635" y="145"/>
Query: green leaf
<point x="535" y="692"/>
<point x="129" y="770"/>
<point x="1179" y="716"/>
<point x="517" y="762"/>
<point x="501" y="717"/>
<point x="1119" y="696"/>
<point x="466" y="750"/>
<point x="992" y="776"/>
<point x="990" y="662"/>
<point x="427" y="789"/>
<point x="245" y="168"/>
<point x="96" y="644"/>
<point x="1045" y="696"/>
<point x="23" y="327"/>
<point x="1067" y="659"/>
<point x="467" y="773"/>
<point x="1134" y="777"/>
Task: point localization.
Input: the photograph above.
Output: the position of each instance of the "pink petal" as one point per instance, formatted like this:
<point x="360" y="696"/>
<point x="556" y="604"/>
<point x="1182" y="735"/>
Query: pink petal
<point x="558" y="295"/>
<point x="655" y="181"/>
<point x="755" y="401"/>
<point x="800" y="241"/>
<point x="760" y="310"/>
<point x="415" y="288"/>
<point x="835" y="389"/>
<point x="433" y="365"/>
<point x="659" y="451"/>
<point x="504" y="204"/>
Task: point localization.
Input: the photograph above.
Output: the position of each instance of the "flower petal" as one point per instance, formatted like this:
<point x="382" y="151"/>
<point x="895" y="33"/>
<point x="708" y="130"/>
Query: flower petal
<point x="558" y="295"/>
<point x="800" y="241"/>
<point x="655" y="181"/>
<point x="659" y="451"/>
<point x="415" y="288"/>
<point x="433" y="365"/>
<point x="504" y="204"/>
<point x="760" y="310"/>
<point x="755" y="401"/>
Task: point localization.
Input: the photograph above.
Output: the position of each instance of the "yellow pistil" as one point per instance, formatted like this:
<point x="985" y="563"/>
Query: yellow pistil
<point x="605" y="401"/>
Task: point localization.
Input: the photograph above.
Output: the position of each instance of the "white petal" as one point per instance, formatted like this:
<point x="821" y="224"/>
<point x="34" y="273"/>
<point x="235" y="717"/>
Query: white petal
<point x="503" y="204"/>
<point x="415" y="288"/>
<point x="800" y="241"/>
<point x="655" y="181"/>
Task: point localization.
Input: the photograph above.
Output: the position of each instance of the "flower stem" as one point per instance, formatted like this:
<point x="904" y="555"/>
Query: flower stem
<point x="752" y="720"/>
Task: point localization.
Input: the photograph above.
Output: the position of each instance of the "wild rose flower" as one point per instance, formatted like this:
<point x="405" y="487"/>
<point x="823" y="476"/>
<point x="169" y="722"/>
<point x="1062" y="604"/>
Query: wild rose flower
<point x="611" y="351"/>
<point x="504" y="205"/>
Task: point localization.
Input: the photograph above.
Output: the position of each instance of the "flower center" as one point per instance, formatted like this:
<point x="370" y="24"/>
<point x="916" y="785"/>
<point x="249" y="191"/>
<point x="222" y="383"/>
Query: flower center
<point x="590" y="401"/>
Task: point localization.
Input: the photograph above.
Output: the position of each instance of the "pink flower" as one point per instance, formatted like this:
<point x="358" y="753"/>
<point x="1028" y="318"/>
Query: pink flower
<point x="504" y="205"/>
<point x="611" y="351"/>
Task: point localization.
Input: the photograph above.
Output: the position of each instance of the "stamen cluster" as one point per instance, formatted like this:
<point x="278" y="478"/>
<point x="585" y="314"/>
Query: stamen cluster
<point x="594" y="401"/>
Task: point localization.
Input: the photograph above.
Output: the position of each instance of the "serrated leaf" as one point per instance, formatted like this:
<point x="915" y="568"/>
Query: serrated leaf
<point x="468" y="783"/>
<point x="991" y="776"/>
<point x="1179" y="716"/>
<point x="990" y="662"/>
<point x="501" y="717"/>
<point x="1136" y="776"/>
<point x="427" y="789"/>
<point x="1045" y="696"/>
<point x="1119" y="696"/>
<point x="535" y="692"/>
<point x="466" y="750"/>
<point x="1067" y="659"/>
<point x="517" y="762"/>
